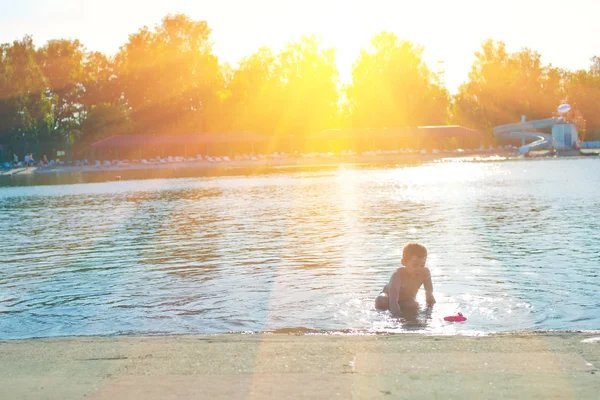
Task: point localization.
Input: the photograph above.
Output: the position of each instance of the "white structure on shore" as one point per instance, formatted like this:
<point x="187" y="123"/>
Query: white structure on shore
<point x="563" y="136"/>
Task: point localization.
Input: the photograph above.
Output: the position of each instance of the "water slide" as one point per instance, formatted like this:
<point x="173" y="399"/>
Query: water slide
<point x="526" y="132"/>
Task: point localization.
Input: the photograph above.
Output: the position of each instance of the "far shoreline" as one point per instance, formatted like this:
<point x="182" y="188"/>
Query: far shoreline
<point x="136" y="171"/>
<point x="290" y="162"/>
<point x="263" y="165"/>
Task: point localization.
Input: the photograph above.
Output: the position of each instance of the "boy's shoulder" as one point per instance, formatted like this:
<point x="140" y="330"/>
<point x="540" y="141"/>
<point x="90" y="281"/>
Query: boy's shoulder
<point x="402" y="271"/>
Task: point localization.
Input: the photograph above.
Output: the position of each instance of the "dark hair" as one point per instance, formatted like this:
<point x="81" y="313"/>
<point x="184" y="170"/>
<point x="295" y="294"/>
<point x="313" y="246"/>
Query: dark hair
<point x="414" y="249"/>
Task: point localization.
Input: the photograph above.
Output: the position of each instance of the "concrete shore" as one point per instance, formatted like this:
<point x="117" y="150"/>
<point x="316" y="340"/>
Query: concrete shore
<point x="511" y="366"/>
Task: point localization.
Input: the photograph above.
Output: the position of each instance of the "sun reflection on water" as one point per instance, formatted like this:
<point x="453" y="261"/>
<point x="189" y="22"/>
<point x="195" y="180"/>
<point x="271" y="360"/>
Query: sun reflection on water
<point x="307" y="251"/>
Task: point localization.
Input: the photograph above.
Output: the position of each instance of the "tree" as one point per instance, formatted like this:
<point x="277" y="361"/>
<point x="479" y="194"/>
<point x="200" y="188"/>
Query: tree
<point x="169" y="77"/>
<point x="25" y="106"/>
<point x="595" y="67"/>
<point x="103" y="120"/>
<point x="504" y="86"/>
<point x="254" y="94"/>
<point x="583" y="92"/>
<point x="62" y="64"/>
<point x="100" y="82"/>
<point x="292" y="93"/>
<point x="167" y="80"/>
<point x="308" y="79"/>
<point x="393" y="87"/>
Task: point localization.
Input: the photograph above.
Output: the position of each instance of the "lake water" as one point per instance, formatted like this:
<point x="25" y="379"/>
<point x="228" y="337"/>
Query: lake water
<point x="513" y="245"/>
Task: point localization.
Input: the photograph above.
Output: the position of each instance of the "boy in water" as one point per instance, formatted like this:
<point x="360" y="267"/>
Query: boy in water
<point x="401" y="290"/>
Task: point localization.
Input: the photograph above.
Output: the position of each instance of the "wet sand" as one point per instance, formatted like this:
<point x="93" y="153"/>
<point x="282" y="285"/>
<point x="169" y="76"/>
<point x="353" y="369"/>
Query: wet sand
<point x="236" y="366"/>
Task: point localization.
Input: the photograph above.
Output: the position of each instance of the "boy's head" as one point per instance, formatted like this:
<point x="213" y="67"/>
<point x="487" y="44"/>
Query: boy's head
<point x="414" y="256"/>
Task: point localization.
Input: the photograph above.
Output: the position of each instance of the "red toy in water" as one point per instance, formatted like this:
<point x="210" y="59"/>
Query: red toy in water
<point x="455" y="318"/>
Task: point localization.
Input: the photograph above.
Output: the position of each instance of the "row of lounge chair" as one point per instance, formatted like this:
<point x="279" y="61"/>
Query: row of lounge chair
<point x="282" y="155"/>
<point x="51" y="163"/>
<point x="257" y="157"/>
<point x="179" y="159"/>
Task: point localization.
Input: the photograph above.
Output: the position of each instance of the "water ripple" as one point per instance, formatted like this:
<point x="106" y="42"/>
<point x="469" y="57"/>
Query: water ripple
<point x="513" y="245"/>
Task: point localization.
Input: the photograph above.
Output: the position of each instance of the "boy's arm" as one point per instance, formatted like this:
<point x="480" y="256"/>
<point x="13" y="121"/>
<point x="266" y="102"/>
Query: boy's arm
<point x="428" y="285"/>
<point x="394" y="293"/>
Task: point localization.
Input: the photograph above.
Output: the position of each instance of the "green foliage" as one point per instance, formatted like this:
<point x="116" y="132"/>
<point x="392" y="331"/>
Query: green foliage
<point x="308" y="79"/>
<point x="504" y="86"/>
<point x="25" y="105"/>
<point x="169" y="77"/>
<point x="393" y="87"/>
<point x="583" y="93"/>
<point x="104" y="120"/>
<point x="292" y="93"/>
<point x="61" y="62"/>
<point x="167" y="80"/>
<point x="253" y="100"/>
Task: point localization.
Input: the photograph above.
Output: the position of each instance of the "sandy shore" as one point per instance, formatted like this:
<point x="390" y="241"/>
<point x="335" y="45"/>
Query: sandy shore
<point x="215" y="168"/>
<point x="263" y="164"/>
<point x="511" y="366"/>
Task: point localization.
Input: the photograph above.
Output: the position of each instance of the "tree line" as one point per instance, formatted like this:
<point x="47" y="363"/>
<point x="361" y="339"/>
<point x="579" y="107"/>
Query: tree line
<point x="168" y="80"/>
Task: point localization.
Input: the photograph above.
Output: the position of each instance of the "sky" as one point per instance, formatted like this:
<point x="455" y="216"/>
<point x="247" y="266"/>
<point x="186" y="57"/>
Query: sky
<point x="565" y="33"/>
